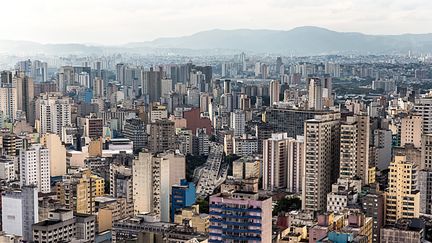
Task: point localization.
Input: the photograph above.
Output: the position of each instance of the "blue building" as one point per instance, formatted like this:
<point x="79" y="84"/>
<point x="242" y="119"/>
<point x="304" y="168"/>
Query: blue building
<point x="182" y="196"/>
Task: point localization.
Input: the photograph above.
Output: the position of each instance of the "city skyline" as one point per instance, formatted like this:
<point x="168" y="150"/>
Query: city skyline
<point x="46" y="21"/>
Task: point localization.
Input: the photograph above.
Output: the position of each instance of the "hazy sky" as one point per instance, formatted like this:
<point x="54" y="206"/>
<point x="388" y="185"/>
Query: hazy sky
<point x="122" y="21"/>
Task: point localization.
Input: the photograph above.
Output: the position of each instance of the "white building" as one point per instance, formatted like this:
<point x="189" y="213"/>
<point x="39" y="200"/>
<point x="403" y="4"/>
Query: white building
<point x="423" y="107"/>
<point x="274" y="91"/>
<point x="84" y="79"/>
<point x="53" y="113"/>
<point x="282" y="162"/>
<point x="238" y="122"/>
<point x="245" y="146"/>
<point x="344" y="193"/>
<point x="7" y="169"/>
<point x="35" y="167"/>
<point x="202" y="139"/>
<point x="20" y="211"/>
<point x="193" y="97"/>
<point x="8" y="102"/>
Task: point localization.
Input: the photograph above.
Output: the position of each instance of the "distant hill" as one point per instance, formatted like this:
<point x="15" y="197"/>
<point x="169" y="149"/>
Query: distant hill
<point x="298" y="41"/>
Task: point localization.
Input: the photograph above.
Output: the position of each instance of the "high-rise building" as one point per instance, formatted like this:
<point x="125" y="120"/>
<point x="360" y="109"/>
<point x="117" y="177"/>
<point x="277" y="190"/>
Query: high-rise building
<point x="238" y="122"/>
<point x="322" y="143"/>
<point x="290" y="121"/>
<point x="66" y="77"/>
<point x="274" y="91"/>
<point x="121" y="72"/>
<point x="247" y="167"/>
<point x="426" y="152"/>
<point x="381" y="151"/>
<point x="93" y="126"/>
<point x="153" y="177"/>
<point x="25" y="94"/>
<point x="53" y="113"/>
<point x="57" y="154"/>
<point x="283" y="163"/>
<point x="252" y="214"/>
<point x="20" y="211"/>
<point x="135" y="130"/>
<point x="202" y="145"/>
<point x="166" y="87"/>
<point x="423" y="107"/>
<point x="8" y="101"/>
<point x="7" y="169"/>
<point x="327" y="91"/>
<point x="98" y="87"/>
<point x="425" y="188"/>
<point x="79" y="190"/>
<point x="151" y="85"/>
<point x="162" y="136"/>
<point x="315" y="94"/>
<point x="35" y="167"/>
<point x="373" y="204"/>
<point x="354" y="148"/>
<point x="6" y="78"/>
<point x="121" y="185"/>
<point x="402" y="196"/>
<point x="204" y="102"/>
<point x="411" y="130"/>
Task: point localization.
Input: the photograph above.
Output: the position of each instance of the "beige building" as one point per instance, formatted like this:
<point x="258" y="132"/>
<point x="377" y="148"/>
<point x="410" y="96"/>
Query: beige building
<point x="200" y="222"/>
<point x="112" y="210"/>
<point x="153" y="177"/>
<point x="247" y="167"/>
<point x="321" y="160"/>
<point x="274" y="91"/>
<point x="402" y="199"/>
<point x="57" y="153"/>
<point x="78" y="191"/>
<point x="354" y="148"/>
<point x="228" y="144"/>
<point x="411" y="130"/>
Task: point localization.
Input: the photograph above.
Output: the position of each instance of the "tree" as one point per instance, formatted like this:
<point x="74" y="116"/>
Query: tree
<point x="287" y="204"/>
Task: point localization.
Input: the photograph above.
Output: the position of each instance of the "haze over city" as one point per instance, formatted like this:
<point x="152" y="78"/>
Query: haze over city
<point x="119" y="22"/>
<point x="228" y="121"/>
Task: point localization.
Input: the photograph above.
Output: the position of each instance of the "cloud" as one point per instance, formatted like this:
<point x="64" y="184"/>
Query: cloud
<point x="114" y="21"/>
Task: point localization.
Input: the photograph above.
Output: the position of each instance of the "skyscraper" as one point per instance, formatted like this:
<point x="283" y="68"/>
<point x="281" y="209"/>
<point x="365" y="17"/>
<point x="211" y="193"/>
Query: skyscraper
<point x="402" y="196"/>
<point x="8" y="101"/>
<point x="162" y="136"/>
<point x="25" y="94"/>
<point x="322" y="138"/>
<point x="53" y="113"/>
<point x="57" y="154"/>
<point x="151" y="84"/>
<point x="315" y="94"/>
<point x="153" y="178"/>
<point x="238" y="122"/>
<point x="35" y="167"/>
<point x="274" y="91"/>
<point x="411" y="130"/>
<point x="354" y="148"/>
<point x="282" y="163"/>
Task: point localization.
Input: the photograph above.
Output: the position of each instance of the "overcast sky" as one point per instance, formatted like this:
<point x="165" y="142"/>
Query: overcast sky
<point x="122" y="21"/>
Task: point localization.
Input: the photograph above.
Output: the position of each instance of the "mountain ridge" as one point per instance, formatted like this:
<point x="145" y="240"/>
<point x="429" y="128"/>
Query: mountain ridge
<point x="305" y="40"/>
